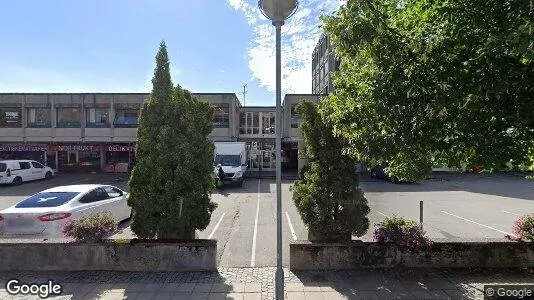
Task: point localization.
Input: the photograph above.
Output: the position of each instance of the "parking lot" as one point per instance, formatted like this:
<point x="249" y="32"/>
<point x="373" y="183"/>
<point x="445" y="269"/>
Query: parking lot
<point x="460" y="207"/>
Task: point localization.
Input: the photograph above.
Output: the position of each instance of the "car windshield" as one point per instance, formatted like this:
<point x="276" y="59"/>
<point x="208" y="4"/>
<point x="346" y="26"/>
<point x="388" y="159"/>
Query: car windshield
<point x="228" y="160"/>
<point x="3" y="167"/>
<point x="49" y="199"/>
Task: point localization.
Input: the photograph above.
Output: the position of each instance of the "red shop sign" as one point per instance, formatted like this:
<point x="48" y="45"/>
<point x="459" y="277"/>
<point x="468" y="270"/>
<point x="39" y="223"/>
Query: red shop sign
<point x="85" y="148"/>
<point x="120" y="148"/>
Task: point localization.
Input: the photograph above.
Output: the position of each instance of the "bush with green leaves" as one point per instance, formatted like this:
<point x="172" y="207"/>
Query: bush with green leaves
<point x="328" y="197"/>
<point x="402" y="232"/>
<point x="92" y="228"/>
<point x="523" y="229"/>
<point x="171" y="181"/>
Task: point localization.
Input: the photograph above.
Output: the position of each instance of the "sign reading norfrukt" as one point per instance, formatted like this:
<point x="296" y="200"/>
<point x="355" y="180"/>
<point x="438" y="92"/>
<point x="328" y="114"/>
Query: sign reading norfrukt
<point x="43" y="290"/>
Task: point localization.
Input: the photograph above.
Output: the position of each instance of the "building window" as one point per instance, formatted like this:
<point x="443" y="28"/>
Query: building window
<point x="97" y="117"/>
<point x="268" y="122"/>
<point x="10" y="117"/>
<point x="69" y="118"/>
<point x="127" y="118"/>
<point x="249" y="123"/>
<point x="39" y="118"/>
<point x="222" y="115"/>
<point x="295" y="119"/>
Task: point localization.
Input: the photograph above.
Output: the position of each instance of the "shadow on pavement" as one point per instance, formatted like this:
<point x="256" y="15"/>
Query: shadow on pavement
<point x="504" y="185"/>
<point x="403" y="283"/>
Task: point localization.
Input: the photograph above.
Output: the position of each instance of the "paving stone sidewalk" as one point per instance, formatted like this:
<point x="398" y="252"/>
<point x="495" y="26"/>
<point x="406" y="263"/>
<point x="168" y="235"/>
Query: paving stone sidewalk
<point x="258" y="283"/>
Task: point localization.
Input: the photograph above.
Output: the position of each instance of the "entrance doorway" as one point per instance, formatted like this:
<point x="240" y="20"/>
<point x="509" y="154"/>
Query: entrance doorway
<point x="264" y="159"/>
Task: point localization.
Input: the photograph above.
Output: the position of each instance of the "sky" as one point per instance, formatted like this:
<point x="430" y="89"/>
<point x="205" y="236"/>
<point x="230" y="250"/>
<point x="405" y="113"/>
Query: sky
<point x="215" y="46"/>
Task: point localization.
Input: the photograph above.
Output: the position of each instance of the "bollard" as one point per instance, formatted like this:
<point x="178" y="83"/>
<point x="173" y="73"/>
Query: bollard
<point x="421" y="213"/>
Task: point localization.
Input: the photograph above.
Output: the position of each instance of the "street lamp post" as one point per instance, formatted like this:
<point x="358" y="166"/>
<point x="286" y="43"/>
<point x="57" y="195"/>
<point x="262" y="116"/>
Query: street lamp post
<point x="278" y="11"/>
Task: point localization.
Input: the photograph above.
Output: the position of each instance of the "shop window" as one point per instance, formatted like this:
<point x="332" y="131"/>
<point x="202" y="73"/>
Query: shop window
<point x="295" y="119"/>
<point x="222" y="115"/>
<point x="97" y="117"/>
<point x="127" y="118"/>
<point x="69" y="118"/>
<point x="39" y="118"/>
<point x="10" y="117"/>
<point x="89" y="159"/>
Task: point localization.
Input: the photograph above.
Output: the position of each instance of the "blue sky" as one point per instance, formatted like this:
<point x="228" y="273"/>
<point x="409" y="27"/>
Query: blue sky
<point x="109" y="46"/>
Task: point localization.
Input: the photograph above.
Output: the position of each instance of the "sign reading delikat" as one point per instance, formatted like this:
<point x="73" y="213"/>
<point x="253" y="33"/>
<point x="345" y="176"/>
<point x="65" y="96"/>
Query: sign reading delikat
<point x="509" y="291"/>
<point x="43" y="290"/>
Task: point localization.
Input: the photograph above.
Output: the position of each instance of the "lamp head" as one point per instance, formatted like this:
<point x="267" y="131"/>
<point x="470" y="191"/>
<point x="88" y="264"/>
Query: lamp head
<point x="278" y="10"/>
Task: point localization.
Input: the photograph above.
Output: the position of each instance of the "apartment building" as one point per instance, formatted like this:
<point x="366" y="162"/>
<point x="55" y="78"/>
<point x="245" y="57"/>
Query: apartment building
<point x="98" y="131"/>
<point x="323" y="63"/>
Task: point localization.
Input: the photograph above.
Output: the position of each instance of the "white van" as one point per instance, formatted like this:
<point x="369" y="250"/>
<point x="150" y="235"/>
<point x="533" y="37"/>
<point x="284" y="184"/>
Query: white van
<point x="232" y="156"/>
<point x="18" y="171"/>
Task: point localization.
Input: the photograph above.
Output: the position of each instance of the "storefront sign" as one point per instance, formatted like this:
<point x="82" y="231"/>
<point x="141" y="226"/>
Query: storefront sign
<point x="120" y="148"/>
<point x="23" y="148"/>
<point x="85" y="148"/>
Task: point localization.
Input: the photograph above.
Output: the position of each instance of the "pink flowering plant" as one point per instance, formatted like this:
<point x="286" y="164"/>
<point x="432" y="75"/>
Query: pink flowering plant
<point x="402" y="232"/>
<point x="523" y="229"/>
<point x="92" y="228"/>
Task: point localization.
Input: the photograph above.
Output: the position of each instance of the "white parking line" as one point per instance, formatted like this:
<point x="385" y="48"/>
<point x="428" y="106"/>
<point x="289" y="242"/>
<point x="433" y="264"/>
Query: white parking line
<point x="253" y="256"/>
<point x="471" y="221"/>
<point x="216" y="226"/>
<point x="291" y="227"/>
<point x="504" y="211"/>
<point x="381" y="213"/>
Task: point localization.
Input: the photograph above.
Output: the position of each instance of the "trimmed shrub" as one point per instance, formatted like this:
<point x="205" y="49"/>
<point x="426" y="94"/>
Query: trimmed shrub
<point x="93" y="228"/>
<point x="328" y="196"/>
<point x="401" y="231"/>
<point x="523" y="229"/>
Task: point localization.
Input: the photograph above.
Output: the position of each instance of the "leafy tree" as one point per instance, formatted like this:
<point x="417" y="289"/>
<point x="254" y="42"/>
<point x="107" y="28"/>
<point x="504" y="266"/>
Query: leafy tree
<point x="450" y="80"/>
<point x="328" y="198"/>
<point x="171" y="180"/>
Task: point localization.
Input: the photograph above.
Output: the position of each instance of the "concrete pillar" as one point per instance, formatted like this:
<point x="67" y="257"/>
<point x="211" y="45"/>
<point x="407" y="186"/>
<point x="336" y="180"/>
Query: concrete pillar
<point x="83" y="119"/>
<point x="53" y="116"/>
<point x="23" y="117"/>
<point x="102" y="156"/>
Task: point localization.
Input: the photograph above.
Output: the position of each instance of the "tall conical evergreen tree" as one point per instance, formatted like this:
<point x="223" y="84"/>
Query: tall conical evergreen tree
<point x="170" y="183"/>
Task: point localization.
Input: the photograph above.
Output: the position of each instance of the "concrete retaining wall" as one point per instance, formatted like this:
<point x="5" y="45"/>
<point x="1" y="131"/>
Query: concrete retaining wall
<point x="305" y="255"/>
<point x="193" y="255"/>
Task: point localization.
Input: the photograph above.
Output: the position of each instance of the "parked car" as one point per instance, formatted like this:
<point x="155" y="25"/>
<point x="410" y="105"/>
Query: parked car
<point x="44" y="214"/>
<point x="18" y="171"/>
<point x="380" y="171"/>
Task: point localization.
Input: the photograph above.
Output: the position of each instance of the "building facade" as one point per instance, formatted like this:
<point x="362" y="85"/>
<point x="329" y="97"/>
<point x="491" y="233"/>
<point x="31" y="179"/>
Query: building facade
<point x="323" y="63"/>
<point x="98" y="131"/>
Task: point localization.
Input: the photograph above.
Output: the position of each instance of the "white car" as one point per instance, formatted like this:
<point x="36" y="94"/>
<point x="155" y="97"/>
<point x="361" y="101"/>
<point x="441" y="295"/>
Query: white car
<point x="18" y="171"/>
<point x="44" y="214"/>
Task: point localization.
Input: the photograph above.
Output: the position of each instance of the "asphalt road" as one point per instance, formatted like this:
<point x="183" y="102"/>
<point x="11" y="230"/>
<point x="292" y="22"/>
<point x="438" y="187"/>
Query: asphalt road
<point x="459" y="208"/>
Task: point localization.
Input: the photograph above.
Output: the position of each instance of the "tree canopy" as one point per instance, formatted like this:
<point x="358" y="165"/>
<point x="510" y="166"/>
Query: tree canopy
<point x="451" y="81"/>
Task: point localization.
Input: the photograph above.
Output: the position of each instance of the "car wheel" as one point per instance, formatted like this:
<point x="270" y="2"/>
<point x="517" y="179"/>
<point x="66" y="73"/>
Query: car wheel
<point x="48" y="175"/>
<point x="17" y="181"/>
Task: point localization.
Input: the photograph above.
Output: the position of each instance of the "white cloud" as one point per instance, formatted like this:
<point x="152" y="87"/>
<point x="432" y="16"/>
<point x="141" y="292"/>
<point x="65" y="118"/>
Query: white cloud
<point x="300" y="34"/>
